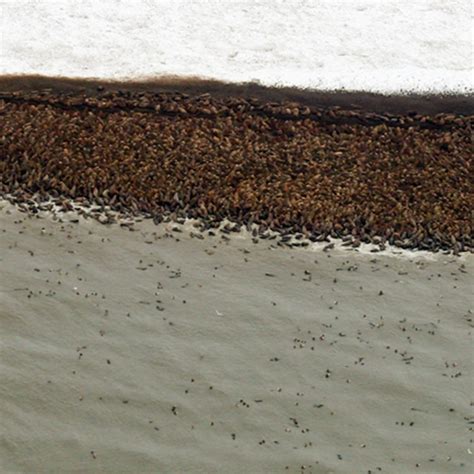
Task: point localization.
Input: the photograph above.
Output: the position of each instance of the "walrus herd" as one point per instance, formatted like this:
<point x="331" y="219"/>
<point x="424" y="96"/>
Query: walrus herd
<point x="401" y="179"/>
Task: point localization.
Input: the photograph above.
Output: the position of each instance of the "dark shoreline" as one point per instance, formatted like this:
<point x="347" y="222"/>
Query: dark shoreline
<point x="461" y="104"/>
<point x="320" y="172"/>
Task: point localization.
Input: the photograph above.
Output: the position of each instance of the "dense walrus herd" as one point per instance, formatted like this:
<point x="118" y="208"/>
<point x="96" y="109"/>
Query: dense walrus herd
<point x="364" y="177"/>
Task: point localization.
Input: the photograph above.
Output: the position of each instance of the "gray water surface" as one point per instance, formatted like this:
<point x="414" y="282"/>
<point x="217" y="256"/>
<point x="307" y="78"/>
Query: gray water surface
<point x="151" y="351"/>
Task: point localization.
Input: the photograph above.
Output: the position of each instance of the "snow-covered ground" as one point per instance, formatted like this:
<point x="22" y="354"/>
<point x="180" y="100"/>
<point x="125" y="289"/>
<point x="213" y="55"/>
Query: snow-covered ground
<point x="373" y="45"/>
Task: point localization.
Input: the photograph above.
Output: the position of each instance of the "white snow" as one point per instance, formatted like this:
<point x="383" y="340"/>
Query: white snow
<point x="385" y="46"/>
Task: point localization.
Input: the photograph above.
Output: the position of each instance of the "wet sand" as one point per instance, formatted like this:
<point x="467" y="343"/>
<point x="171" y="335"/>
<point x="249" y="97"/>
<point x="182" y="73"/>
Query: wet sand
<point x="154" y="351"/>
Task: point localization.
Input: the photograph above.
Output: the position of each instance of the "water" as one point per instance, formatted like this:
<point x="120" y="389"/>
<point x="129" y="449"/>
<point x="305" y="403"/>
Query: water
<point x="131" y="351"/>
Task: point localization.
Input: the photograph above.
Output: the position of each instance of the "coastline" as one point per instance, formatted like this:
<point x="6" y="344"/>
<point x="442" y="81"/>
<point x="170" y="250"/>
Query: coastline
<point x="236" y="237"/>
<point x="362" y="176"/>
<point x="165" y="341"/>
<point x="71" y="211"/>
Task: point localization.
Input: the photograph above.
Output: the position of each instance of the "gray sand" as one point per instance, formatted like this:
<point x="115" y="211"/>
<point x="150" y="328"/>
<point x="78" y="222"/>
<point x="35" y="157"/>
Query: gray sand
<point x="134" y="352"/>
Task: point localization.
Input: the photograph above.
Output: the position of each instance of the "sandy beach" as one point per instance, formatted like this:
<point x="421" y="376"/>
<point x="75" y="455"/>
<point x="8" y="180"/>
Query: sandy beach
<point x="148" y="349"/>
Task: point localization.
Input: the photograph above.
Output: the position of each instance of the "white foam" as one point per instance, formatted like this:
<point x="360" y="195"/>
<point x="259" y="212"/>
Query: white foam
<point x="82" y="212"/>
